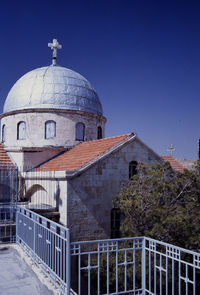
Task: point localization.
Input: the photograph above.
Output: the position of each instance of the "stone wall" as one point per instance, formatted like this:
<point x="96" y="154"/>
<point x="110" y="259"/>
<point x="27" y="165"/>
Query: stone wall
<point x="35" y="128"/>
<point x="90" y="194"/>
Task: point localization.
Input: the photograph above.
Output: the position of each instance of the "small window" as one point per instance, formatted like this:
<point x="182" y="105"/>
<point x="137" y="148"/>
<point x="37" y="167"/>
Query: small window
<point x="50" y="129"/>
<point x="80" y="131"/>
<point x="3" y="134"/>
<point x="132" y="169"/>
<point x="21" y="130"/>
<point x="99" y="132"/>
<point x="115" y="223"/>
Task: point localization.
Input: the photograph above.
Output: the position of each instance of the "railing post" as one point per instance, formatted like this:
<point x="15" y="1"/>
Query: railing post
<point x="34" y="237"/>
<point x="68" y="263"/>
<point x="16" y="222"/>
<point x="143" y="266"/>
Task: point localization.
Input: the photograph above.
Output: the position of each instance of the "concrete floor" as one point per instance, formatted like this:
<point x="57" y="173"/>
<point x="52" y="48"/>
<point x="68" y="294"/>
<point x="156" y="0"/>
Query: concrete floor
<point x="16" y="277"/>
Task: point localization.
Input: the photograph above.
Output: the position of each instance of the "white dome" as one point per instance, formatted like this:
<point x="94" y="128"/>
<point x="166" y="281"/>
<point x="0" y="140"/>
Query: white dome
<point x="53" y="87"/>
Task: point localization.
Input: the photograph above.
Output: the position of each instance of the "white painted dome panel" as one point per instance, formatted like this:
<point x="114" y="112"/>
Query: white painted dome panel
<point x="53" y="87"/>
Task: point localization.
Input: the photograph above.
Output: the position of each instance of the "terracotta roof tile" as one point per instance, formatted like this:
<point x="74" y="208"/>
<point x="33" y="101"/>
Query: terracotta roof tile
<point x="4" y="158"/>
<point x="83" y="154"/>
<point x="175" y="164"/>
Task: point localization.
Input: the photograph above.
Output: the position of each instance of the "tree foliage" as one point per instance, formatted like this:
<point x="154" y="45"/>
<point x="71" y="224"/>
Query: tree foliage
<point x="163" y="204"/>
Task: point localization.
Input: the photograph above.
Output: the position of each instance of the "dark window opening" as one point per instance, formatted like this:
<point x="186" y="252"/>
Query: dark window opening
<point x="50" y="129"/>
<point x="21" y="130"/>
<point x="3" y="134"/>
<point x="99" y="132"/>
<point x="80" y="131"/>
<point x="115" y="223"/>
<point x="132" y="169"/>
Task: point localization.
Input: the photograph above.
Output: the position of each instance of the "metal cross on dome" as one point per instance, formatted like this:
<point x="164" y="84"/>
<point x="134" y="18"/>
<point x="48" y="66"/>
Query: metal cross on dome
<point x="54" y="46"/>
<point x="171" y="149"/>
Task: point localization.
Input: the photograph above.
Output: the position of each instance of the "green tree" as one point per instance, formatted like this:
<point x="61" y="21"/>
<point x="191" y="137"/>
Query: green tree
<point x="163" y="204"/>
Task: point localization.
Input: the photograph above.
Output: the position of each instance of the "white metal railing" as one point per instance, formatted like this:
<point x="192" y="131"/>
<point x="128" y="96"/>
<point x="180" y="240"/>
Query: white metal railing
<point x="135" y="266"/>
<point x="170" y="269"/>
<point x="108" y="266"/>
<point x="140" y="266"/>
<point x="47" y="243"/>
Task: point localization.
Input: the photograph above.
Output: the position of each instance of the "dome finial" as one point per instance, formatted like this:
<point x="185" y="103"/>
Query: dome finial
<point x="54" y="46"/>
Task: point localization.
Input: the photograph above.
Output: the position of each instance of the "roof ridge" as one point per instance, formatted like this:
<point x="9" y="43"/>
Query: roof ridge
<point x="105" y="138"/>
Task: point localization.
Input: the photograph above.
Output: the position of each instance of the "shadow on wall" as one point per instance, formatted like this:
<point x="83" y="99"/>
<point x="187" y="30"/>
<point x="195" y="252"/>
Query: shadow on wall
<point x="57" y="198"/>
<point x="47" y="196"/>
<point x="32" y="190"/>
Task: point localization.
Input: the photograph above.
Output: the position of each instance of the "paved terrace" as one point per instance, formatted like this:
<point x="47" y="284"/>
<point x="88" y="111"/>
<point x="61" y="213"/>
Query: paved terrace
<point x="16" y="276"/>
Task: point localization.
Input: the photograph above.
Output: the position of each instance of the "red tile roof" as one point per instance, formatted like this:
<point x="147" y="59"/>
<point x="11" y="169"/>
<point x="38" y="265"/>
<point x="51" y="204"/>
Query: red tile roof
<point x="83" y="154"/>
<point x="174" y="164"/>
<point x="4" y="158"/>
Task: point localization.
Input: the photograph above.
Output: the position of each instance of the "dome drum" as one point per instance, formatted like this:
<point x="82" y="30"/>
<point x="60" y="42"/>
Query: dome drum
<point x="34" y="130"/>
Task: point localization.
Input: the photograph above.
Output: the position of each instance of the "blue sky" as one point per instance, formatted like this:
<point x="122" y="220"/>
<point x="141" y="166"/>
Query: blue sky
<point x="142" y="57"/>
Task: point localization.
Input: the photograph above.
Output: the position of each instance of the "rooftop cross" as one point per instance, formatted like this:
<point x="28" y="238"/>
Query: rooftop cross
<point x="171" y="149"/>
<point x="54" y="46"/>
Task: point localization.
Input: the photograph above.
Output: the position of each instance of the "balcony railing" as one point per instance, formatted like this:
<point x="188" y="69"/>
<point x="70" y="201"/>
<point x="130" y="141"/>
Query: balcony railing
<point x="47" y="243"/>
<point x="119" y="266"/>
<point x="135" y="266"/>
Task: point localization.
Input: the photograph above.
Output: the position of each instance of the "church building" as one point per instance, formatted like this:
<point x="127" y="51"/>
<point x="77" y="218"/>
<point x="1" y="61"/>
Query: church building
<point x="53" y="130"/>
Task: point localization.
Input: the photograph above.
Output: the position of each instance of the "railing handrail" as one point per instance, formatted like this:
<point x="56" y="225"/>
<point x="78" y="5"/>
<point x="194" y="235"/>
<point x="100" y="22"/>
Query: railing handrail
<point x="19" y="207"/>
<point x="136" y="238"/>
<point x="174" y="246"/>
<point x="107" y="240"/>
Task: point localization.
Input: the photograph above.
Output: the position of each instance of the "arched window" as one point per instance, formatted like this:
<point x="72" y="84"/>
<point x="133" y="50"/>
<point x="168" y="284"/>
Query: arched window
<point x="80" y="131"/>
<point x="3" y="133"/>
<point x="99" y="132"/>
<point x="50" y="129"/>
<point x="21" y="130"/>
<point x="132" y="169"/>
